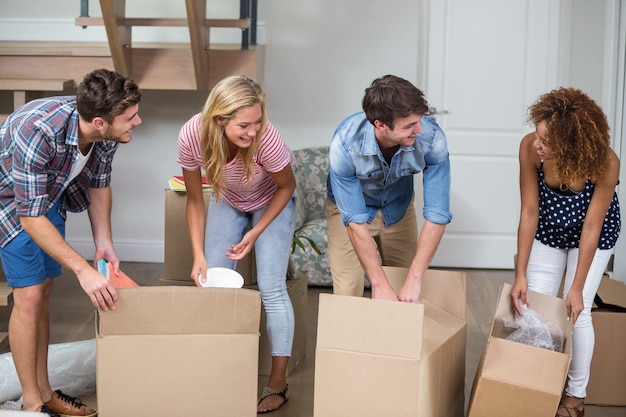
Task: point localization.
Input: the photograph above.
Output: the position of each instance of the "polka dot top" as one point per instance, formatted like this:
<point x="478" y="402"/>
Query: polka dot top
<point x="561" y="217"/>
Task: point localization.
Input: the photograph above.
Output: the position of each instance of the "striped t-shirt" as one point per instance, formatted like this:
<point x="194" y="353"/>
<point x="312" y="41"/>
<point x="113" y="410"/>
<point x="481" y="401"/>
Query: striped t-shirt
<point x="273" y="155"/>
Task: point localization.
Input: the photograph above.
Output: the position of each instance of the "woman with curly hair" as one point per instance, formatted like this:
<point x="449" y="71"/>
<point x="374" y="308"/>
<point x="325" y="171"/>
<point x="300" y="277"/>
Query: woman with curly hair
<point x="250" y="169"/>
<point x="569" y="219"/>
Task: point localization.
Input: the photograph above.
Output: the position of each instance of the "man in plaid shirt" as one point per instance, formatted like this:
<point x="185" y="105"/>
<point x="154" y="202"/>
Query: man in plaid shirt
<point x="56" y="155"/>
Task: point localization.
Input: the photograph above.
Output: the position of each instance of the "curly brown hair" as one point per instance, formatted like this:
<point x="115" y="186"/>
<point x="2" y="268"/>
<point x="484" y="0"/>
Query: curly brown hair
<point x="577" y="132"/>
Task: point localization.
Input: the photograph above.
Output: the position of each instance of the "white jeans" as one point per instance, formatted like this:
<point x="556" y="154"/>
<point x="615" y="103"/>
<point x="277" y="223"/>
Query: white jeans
<point x="544" y="273"/>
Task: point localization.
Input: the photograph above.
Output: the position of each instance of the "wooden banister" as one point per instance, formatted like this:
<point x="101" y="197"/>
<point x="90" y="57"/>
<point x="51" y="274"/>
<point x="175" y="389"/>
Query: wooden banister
<point x="119" y="29"/>
<point x="29" y="84"/>
<point x="26" y="89"/>
<point x="119" y="35"/>
<point x="199" y="37"/>
<point x="165" y="22"/>
<point x="5" y="294"/>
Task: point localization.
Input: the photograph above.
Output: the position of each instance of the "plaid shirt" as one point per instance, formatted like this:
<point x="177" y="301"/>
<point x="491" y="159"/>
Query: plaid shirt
<point x="39" y="144"/>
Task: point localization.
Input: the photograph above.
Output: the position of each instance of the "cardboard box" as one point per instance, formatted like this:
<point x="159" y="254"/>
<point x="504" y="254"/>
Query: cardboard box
<point x="173" y="351"/>
<point x="519" y="380"/>
<point x="297" y="290"/>
<point x="607" y="382"/>
<point x="382" y="358"/>
<point x="178" y="258"/>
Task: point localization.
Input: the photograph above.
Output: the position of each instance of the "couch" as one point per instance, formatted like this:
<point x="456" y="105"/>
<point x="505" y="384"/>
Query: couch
<point x="311" y="174"/>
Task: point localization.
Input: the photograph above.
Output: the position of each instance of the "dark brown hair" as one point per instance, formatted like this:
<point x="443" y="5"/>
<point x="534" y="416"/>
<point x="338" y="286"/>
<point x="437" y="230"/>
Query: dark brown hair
<point x="105" y="94"/>
<point x="390" y="97"/>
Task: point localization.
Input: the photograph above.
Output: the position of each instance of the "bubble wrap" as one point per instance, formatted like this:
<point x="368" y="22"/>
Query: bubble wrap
<point x="71" y="368"/>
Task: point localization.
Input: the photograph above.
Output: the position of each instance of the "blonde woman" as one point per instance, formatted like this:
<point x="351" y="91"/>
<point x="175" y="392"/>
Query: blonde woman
<point x="250" y="169"/>
<point x="570" y="218"/>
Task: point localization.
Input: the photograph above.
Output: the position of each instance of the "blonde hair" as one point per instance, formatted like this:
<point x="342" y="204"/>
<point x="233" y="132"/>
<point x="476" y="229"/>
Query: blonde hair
<point x="225" y="99"/>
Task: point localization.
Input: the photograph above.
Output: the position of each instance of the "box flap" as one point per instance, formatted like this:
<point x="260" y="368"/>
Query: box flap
<point x="444" y="289"/>
<point x="182" y="310"/>
<point x="612" y="291"/>
<point x="439" y="327"/>
<point x="551" y="309"/>
<point x="526" y="366"/>
<point x="364" y="325"/>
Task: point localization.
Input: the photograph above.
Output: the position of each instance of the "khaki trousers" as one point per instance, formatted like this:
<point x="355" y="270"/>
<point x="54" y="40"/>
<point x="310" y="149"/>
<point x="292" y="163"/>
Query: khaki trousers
<point x="396" y="247"/>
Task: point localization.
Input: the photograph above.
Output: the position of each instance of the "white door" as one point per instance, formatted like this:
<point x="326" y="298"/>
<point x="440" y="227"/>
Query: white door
<point x="484" y="62"/>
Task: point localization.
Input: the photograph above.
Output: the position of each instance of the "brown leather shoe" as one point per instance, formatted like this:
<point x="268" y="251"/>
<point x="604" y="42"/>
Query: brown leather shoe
<point x="571" y="407"/>
<point x="45" y="410"/>
<point x="69" y="406"/>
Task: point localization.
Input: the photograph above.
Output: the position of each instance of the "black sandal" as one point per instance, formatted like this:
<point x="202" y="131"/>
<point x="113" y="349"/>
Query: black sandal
<point x="269" y="391"/>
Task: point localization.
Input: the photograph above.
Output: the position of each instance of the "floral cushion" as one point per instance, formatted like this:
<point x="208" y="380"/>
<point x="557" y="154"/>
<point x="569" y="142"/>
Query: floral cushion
<point x="308" y="260"/>
<point x="311" y="175"/>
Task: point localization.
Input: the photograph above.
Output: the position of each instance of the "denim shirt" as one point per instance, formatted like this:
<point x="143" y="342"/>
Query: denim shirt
<point x="361" y="182"/>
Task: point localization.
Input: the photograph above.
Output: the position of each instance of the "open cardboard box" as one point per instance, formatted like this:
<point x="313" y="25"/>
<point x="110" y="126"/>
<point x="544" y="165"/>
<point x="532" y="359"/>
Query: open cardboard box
<point x="178" y="258"/>
<point x="519" y="380"/>
<point x="383" y="358"/>
<point x="172" y="351"/>
<point x="297" y="290"/>
<point x="607" y="382"/>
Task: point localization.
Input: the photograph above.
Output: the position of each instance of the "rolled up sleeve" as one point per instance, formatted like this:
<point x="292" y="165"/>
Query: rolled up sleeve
<point x="436" y="180"/>
<point x="346" y="187"/>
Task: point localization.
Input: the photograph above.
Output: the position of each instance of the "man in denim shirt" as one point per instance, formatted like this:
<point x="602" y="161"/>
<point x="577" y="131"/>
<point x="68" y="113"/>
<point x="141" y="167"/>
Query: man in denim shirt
<point x="373" y="158"/>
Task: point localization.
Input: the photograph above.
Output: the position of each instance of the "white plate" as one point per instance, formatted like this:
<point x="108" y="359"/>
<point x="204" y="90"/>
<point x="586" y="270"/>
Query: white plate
<point x="222" y="277"/>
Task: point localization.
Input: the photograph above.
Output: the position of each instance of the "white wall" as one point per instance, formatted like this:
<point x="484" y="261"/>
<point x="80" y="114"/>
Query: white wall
<point x="319" y="58"/>
<point x="320" y="55"/>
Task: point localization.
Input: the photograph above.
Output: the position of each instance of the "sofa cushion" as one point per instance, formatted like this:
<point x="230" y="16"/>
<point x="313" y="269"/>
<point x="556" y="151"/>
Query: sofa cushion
<point x="308" y="260"/>
<point x="311" y="174"/>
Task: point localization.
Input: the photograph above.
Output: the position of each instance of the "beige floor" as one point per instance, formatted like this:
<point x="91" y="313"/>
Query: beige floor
<point x="72" y="319"/>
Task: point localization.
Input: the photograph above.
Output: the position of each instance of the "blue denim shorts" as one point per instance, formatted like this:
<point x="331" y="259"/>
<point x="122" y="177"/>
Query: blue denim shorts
<point x="25" y="263"/>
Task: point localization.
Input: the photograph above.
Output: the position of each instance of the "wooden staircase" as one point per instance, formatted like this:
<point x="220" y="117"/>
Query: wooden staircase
<point x="5" y="300"/>
<point x="32" y="68"/>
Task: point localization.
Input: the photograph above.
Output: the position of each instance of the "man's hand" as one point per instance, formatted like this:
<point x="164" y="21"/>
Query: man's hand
<point x="410" y="291"/>
<point x="384" y="291"/>
<point x="102" y="294"/>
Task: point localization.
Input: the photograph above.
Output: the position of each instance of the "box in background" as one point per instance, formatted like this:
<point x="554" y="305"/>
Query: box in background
<point x="178" y="257"/>
<point x="197" y="346"/>
<point x="607" y="382"/>
<point x="378" y="358"/>
<point x="519" y="380"/>
<point x="297" y="290"/>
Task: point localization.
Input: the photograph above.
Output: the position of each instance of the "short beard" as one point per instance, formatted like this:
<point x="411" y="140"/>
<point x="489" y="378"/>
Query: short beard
<point x="108" y="135"/>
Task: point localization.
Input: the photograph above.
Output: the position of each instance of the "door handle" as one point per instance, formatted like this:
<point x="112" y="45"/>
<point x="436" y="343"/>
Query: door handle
<point x="432" y="111"/>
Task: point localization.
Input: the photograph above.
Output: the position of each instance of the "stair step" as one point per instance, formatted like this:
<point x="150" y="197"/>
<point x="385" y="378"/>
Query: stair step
<point x="164" y="22"/>
<point x="39" y="84"/>
<point x="5" y="294"/>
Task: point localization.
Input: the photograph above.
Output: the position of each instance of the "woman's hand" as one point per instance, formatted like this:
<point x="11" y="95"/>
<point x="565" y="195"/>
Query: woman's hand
<point x="238" y="251"/>
<point x="575" y="304"/>
<point x="518" y="294"/>
<point x="198" y="271"/>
